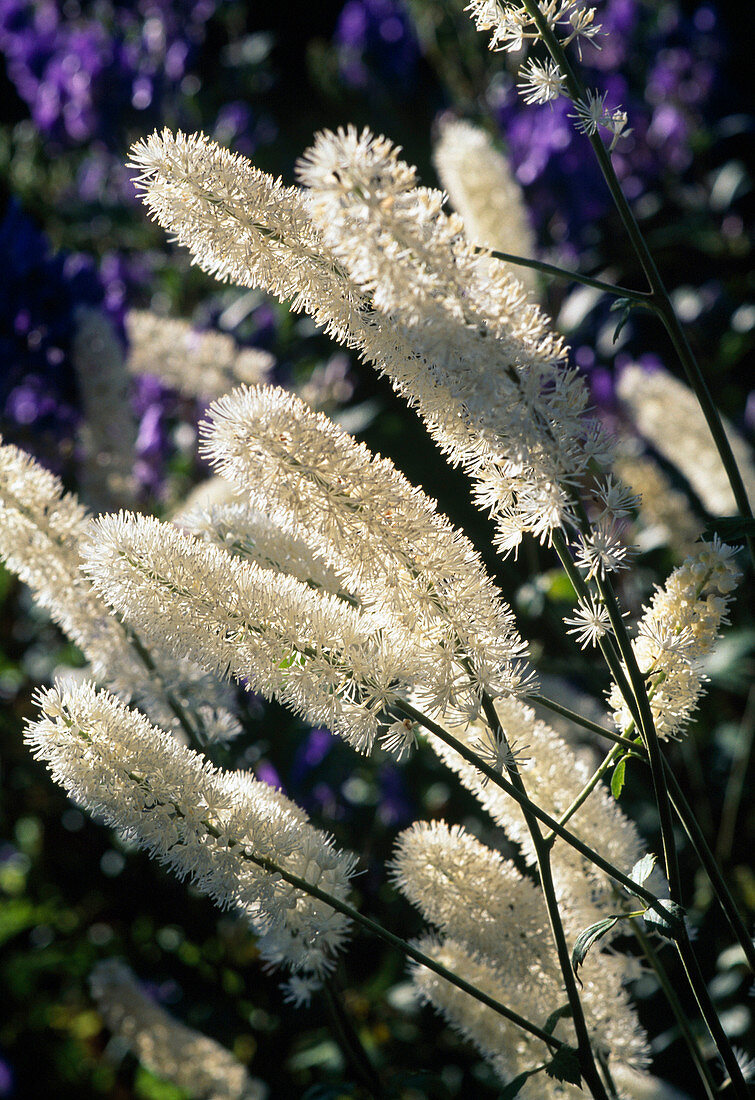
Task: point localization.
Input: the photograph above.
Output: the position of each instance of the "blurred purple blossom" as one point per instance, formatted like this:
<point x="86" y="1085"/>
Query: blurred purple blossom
<point x="375" y="39"/>
<point x="83" y="76"/>
<point x="664" y="99"/>
<point x="266" y="773"/>
<point x="39" y="295"/>
<point x="6" y="1078"/>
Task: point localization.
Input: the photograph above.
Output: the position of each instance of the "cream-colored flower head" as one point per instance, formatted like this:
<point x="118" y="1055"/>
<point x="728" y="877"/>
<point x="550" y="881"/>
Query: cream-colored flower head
<point x="483" y="191"/>
<point x="314" y="652"/>
<point x="165" y="1046"/>
<point x="678" y="630"/>
<point x="373" y="258"/>
<point x="202" y="364"/>
<point x="42" y="529"/>
<point x="396" y="553"/>
<point x="494" y="928"/>
<point x="205" y="824"/>
<point x="553" y="776"/>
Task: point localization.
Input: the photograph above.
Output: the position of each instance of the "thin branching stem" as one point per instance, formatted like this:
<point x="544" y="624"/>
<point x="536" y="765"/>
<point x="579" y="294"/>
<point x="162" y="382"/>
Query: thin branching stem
<point x="641" y="296"/>
<point x="579" y="720"/>
<point x="402" y="945"/>
<point x="708" y="1012"/>
<point x="542" y="815"/>
<point x="587" y="789"/>
<point x="643" y="716"/>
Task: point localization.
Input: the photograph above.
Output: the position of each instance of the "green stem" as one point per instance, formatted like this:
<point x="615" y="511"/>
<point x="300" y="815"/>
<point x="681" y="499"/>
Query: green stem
<point x="573" y="716"/>
<point x="542" y="853"/>
<point x="560" y="830"/>
<point x="676" y="1007"/>
<point x="402" y="945"/>
<point x="588" y="788"/>
<point x="178" y="709"/>
<point x="573" y="276"/>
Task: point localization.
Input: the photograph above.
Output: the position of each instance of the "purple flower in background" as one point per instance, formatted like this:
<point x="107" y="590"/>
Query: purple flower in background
<point x="84" y="76"/>
<point x="664" y="100"/>
<point x="39" y="295"/>
<point x="396" y="808"/>
<point x="266" y="773"/>
<point x="154" y="405"/>
<point x="374" y="38"/>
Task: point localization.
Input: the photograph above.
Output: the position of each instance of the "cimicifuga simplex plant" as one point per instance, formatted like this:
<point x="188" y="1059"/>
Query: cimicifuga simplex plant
<point x="315" y="574"/>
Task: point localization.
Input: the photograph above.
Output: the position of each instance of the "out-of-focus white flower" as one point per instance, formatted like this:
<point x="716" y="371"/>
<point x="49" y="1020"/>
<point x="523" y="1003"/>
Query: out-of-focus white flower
<point x="165" y="1046"/>
<point x="202" y="364"/>
<point x="485" y="193"/>
<point x="667" y="414"/>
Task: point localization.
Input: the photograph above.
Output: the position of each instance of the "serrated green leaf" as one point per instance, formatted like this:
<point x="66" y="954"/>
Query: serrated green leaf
<point x="564" y="1066"/>
<point x="587" y="938"/>
<point x="666" y="926"/>
<point x="617" y="779"/>
<point x="642" y="868"/>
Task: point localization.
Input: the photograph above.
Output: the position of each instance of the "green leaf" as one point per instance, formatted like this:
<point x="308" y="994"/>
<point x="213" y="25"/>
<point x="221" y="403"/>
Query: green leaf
<point x="587" y="938"/>
<point x="730" y="528"/>
<point x="562" y="1013"/>
<point x="669" y="926"/>
<point x="625" y="305"/>
<point x="617" y="779"/>
<point x="642" y="868"/>
<point x="565" y="1066"/>
<point x="514" y="1086"/>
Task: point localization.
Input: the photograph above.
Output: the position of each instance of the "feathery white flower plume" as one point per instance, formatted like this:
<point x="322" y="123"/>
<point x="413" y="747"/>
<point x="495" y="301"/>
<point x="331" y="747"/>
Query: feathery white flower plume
<point x="165" y="1046"/>
<point x="679" y="628"/>
<point x="203" y="823"/>
<point x="402" y="559"/>
<point x="553" y="776"/>
<point x="375" y="261"/>
<point x="42" y="529"/>
<point x="494" y="920"/>
<point x="269" y="539"/>
<point x="325" y="659"/>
